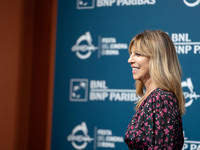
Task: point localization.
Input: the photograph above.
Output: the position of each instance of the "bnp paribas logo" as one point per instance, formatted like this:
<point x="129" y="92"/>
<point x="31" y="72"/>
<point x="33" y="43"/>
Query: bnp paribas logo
<point x="191" y="3"/>
<point x="78" y="90"/>
<point x="85" y="4"/>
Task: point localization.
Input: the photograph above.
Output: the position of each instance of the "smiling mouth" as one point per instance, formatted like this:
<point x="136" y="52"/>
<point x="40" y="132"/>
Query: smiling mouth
<point x="135" y="68"/>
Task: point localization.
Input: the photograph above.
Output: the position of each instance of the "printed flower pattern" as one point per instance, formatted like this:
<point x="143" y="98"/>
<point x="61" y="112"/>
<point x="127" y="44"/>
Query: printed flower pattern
<point x="157" y="124"/>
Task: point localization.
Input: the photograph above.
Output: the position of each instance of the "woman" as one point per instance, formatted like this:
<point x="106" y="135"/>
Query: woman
<point x="157" y="123"/>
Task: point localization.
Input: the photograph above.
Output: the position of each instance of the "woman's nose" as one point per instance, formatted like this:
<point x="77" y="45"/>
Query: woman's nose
<point x="131" y="59"/>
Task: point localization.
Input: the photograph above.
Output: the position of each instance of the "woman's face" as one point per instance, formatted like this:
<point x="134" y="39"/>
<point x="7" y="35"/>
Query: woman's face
<point x="139" y="65"/>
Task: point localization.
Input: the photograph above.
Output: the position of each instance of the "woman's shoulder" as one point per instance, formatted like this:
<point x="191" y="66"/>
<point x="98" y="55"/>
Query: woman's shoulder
<point x="163" y="97"/>
<point x="159" y="93"/>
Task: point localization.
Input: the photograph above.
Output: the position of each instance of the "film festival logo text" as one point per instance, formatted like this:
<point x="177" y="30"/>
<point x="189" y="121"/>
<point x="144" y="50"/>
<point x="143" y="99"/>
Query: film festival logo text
<point x="190" y="95"/>
<point x="190" y="144"/>
<point x="82" y="90"/>
<point x="103" y="138"/>
<point x="90" y="4"/>
<point x="184" y="44"/>
<point x="191" y="4"/>
<point x="108" y="46"/>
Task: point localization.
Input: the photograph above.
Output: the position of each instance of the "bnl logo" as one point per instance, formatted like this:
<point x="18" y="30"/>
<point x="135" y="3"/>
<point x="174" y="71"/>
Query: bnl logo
<point x="191" y="95"/>
<point x="85" y="4"/>
<point x="78" y="90"/>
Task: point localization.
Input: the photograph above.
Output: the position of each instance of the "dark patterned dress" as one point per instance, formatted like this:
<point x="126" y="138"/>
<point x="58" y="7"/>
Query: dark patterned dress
<point x="157" y="124"/>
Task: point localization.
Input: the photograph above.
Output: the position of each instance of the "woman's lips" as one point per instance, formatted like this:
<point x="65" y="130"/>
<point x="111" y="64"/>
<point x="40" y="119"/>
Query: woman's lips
<point x="135" y="69"/>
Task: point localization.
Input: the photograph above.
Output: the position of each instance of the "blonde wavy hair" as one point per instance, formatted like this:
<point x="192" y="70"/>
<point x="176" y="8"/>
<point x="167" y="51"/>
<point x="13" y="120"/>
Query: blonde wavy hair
<point x="164" y="67"/>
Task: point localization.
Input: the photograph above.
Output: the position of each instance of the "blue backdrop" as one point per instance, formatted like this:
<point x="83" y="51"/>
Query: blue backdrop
<point x="94" y="91"/>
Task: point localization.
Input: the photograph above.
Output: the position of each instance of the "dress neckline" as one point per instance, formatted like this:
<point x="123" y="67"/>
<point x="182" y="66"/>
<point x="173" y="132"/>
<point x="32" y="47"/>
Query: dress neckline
<point x="149" y="95"/>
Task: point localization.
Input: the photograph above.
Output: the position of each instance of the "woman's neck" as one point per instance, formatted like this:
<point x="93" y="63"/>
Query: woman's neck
<point x="150" y="86"/>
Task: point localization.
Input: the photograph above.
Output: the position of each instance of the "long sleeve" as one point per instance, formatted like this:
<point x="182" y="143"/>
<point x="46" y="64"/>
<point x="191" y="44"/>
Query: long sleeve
<point x="157" y="125"/>
<point x="163" y="122"/>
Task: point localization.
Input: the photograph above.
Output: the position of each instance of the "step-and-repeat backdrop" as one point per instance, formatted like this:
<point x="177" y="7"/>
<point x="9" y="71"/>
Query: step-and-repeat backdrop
<point x="94" y="93"/>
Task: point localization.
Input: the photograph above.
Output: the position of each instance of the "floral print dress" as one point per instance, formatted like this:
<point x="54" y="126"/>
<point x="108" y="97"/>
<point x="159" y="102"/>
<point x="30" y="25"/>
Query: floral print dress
<point x="157" y="124"/>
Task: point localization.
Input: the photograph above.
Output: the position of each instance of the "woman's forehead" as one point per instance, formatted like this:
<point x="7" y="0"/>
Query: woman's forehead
<point x="134" y="49"/>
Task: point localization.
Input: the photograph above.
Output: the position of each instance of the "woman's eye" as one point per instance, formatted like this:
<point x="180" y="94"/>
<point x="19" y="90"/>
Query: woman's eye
<point x="138" y="54"/>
